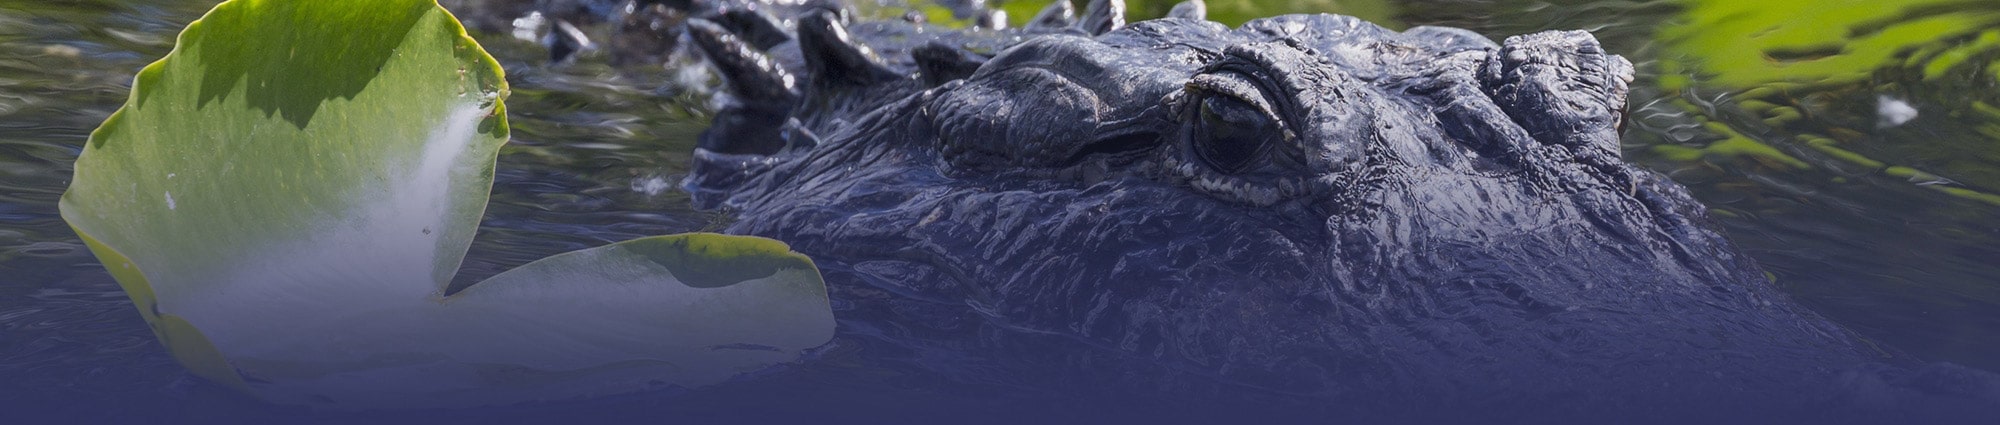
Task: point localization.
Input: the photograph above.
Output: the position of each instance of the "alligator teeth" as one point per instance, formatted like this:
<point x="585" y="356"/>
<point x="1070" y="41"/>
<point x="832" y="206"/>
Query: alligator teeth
<point x="1103" y="16"/>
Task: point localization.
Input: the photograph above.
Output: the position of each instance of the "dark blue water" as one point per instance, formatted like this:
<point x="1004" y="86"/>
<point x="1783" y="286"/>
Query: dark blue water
<point x="597" y="150"/>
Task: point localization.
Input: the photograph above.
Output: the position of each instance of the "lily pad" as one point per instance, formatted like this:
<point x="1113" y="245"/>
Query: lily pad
<point x="287" y="195"/>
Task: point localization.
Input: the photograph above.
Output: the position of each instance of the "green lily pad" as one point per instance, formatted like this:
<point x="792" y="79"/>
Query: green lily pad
<point x="287" y="195"/>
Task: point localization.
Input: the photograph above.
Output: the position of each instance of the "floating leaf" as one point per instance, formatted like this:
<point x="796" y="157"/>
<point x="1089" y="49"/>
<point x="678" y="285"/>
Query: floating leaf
<point x="287" y="195"/>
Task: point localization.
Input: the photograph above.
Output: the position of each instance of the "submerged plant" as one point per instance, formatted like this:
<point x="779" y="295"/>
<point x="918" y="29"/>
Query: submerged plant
<point x="1805" y="67"/>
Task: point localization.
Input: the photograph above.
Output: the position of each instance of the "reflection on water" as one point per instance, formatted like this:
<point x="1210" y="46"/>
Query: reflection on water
<point x="63" y="68"/>
<point x="1853" y="148"/>
<point x="1774" y="120"/>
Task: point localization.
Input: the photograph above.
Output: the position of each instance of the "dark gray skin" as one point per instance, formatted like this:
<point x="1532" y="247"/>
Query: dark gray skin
<point x="1310" y="209"/>
<point x="640" y="31"/>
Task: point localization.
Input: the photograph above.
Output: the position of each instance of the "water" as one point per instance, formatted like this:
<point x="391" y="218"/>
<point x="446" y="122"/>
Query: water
<point x="1899" y="245"/>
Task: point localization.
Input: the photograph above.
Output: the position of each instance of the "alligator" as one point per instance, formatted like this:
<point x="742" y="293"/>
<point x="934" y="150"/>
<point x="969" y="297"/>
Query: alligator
<point x="1306" y="208"/>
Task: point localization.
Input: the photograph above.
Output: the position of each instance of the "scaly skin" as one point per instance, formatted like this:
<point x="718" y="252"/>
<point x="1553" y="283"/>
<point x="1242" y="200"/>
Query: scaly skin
<point x="1310" y="206"/>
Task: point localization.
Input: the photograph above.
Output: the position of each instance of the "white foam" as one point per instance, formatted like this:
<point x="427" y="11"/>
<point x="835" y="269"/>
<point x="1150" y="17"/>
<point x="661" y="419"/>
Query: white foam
<point x="1893" y="112"/>
<point x="650" y="185"/>
<point x="529" y="27"/>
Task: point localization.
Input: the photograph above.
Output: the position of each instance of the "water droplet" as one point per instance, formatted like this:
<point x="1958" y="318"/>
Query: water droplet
<point x="1893" y="112"/>
<point x="650" y="185"/>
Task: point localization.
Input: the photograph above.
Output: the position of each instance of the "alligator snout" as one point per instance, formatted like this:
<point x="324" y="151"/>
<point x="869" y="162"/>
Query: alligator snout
<point x="1306" y="203"/>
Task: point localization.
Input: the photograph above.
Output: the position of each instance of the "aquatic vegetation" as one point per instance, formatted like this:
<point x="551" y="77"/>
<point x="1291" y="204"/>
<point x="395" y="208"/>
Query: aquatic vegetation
<point x="287" y="196"/>
<point x="1851" y="133"/>
<point x="1901" y="263"/>
<point x="1825" y="43"/>
<point x="1792" y="63"/>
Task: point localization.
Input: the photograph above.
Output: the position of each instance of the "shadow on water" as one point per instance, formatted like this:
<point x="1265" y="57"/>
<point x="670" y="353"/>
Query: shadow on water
<point x="1862" y="176"/>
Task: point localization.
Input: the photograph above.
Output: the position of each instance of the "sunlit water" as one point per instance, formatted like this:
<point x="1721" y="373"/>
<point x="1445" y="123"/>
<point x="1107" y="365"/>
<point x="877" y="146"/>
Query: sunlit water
<point x="1908" y="260"/>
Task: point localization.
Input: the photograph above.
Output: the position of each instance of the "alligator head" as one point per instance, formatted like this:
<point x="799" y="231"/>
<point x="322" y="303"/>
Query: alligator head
<point x="1306" y="204"/>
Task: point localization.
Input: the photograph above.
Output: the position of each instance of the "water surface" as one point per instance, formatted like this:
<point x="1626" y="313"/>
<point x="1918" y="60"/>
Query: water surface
<point x="1859" y="168"/>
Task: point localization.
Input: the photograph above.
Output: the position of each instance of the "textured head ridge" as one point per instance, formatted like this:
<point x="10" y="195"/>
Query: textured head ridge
<point x="1308" y="205"/>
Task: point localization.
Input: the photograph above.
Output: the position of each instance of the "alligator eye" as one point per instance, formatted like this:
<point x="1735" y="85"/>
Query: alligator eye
<point x="1230" y="134"/>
